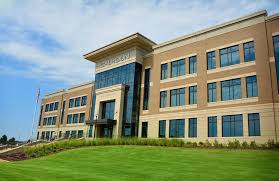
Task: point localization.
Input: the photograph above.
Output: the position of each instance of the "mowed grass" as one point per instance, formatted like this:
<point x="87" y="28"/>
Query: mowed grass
<point x="147" y="163"/>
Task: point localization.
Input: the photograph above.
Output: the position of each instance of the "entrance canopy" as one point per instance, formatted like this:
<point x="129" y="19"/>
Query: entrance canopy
<point x="101" y="122"/>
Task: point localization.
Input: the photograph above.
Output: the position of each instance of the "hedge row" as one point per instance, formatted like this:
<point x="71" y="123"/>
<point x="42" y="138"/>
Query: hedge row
<point x="46" y="149"/>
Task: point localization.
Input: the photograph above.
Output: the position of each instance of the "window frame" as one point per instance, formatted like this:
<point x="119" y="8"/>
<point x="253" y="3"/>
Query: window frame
<point x="251" y="49"/>
<point x="193" y="90"/>
<point x="192" y="128"/>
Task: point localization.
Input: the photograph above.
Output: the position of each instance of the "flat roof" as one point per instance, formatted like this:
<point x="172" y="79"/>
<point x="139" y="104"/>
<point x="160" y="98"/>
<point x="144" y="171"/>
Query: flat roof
<point x="136" y="39"/>
<point x="65" y="90"/>
<point x="197" y="33"/>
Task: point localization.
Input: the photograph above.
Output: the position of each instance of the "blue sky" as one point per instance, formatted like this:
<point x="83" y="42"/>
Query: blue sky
<point x="42" y="42"/>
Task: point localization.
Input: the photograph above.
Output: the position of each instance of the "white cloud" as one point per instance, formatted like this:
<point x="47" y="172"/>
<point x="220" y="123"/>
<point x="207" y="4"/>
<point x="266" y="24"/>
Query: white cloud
<point x="81" y="26"/>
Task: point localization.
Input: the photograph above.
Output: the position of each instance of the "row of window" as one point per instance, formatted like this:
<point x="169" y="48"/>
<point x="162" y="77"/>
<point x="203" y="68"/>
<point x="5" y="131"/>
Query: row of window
<point x="78" y="101"/>
<point x="178" y="68"/>
<point x="51" y="107"/>
<point x="228" y="56"/>
<point x="230" y="89"/>
<point x="232" y="125"/>
<point x="50" y="121"/>
<point x="76" y="118"/>
<point x="74" y="134"/>
<point x="276" y="55"/>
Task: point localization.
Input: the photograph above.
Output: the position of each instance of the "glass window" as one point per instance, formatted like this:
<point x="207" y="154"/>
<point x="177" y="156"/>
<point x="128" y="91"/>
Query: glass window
<point x="146" y="88"/>
<point x="54" y="120"/>
<point x="177" y="97"/>
<point x="69" y="119"/>
<point x="75" y="118"/>
<point x="249" y="51"/>
<point x="163" y="99"/>
<point x="67" y="134"/>
<point x="71" y="103"/>
<point x="231" y="89"/>
<point x="108" y="110"/>
<point x="192" y="64"/>
<point x="193" y="95"/>
<point x="229" y="56"/>
<point x="63" y="109"/>
<point x="83" y="100"/>
<point x="144" y="129"/>
<point x="211" y="60"/>
<point x="45" y="121"/>
<point x="77" y="102"/>
<point x="177" y="128"/>
<point x="80" y="133"/>
<point x="178" y="68"/>
<point x="162" y="129"/>
<point x="49" y="120"/>
<point x="164" y="71"/>
<point x="251" y="86"/>
<point x="73" y="134"/>
<point x="81" y="117"/>
<point x="51" y="106"/>
<point x="56" y="105"/>
<point x="212" y="126"/>
<point x="254" y="124"/>
<point x="192" y="127"/>
<point x="47" y="107"/>
<point x="276" y="53"/>
<point x="232" y="125"/>
<point x="211" y="92"/>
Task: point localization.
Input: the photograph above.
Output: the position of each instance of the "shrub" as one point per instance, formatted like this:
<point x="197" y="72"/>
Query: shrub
<point x="245" y="144"/>
<point x="253" y="144"/>
<point x="207" y="144"/>
<point x="234" y="144"/>
<point x="216" y="144"/>
<point x="201" y="144"/>
<point x="271" y="143"/>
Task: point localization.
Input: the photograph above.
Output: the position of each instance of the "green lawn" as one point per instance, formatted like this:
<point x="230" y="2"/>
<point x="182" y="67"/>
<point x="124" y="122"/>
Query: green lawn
<point x="147" y="163"/>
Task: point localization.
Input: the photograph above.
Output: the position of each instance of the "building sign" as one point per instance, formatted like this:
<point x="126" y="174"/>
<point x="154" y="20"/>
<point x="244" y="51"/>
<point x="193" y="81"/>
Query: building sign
<point x="113" y="60"/>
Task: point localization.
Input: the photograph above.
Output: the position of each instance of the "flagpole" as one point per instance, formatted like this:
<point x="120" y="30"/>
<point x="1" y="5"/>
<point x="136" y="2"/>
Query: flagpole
<point x="35" y="111"/>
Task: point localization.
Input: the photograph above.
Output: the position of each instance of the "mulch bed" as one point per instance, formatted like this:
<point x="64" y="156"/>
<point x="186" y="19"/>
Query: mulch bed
<point x="15" y="155"/>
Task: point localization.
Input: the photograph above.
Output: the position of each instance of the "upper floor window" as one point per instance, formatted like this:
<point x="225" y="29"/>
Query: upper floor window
<point x="164" y="71"/>
<point x="211" y="92"/>
<point x="229" y="56"/>
<point x="276" y="54"/>
<point x="81" y="117"/>
<point x="212" y="126"/>
<point x="177" y="128"/>
<point x="71" y="103"/>
<point x="231" y="89"/>
<point x="249" y="51"/>
<point x="192" y="127"/>
<point x="146" y="88"/>
<point x="69" y="119"/>
<point x="75" y="118"/>
<point x="163" y="99"/>
<point x="47" y="108"/>
<point x="56" y="105"/>
<point x="54" y="120"/>
<point x="254" y="124"/>
<point x="51" y="106"/>
<point x="162" y="129"/>
<point x="211" y="60"/>
<point x="83" y="100"/>
<point x="178" y="68"/>
<point x="177" y="97"/>
<point x="193" y="95"/>
<point x="192" y="64"/>
<point x="77" y="102"/>
<point x="251" y="86"/>
<point x="232" y="125"/>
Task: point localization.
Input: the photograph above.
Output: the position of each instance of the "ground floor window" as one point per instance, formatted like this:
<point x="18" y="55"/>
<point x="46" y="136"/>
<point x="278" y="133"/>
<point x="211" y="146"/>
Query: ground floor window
<point x="144" y="129"/>
<point x="162" y="129"/>
<point x="80" y="133"/>
<point x="232" y="125"/>
<point x="212" y="126"/>
<point x="177" y="128"/>
<point x="67" y="134"/>
<point x="254" y="124"/>
<point x="43" y="135"/>
<point x="192" y="127"/>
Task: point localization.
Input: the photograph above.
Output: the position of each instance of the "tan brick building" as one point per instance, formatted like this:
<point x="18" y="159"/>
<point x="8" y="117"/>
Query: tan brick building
<point x="65" y="112"/>
<point x="220" y="83"/>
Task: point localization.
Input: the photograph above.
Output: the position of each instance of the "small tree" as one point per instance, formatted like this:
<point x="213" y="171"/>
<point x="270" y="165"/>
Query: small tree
<point x="12" y="141"/>
<point x="3" y="140"/>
